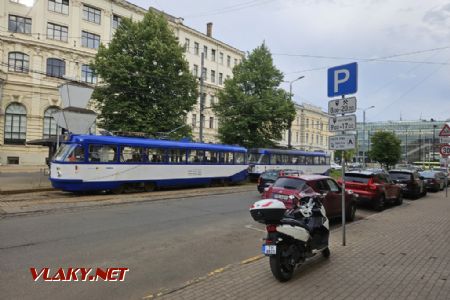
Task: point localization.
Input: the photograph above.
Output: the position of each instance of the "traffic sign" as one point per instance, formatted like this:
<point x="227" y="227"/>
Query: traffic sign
<point x="343" y="123"/>
<point x="342" y="106"/>
<point x="444" y="139"/>
<point x="342" y="142"/>
<point x="445" y="131"/>
<point x="343" y="80"/>
<point x="445" y="150"/>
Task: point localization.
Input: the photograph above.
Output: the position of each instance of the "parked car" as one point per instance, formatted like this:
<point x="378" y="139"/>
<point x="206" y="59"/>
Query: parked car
<point x="289" y="185"/>
<point x="433" y="180"/>
<point x="374" y="187"/>
<point x="268" y="177"/>
<point x="335" y="166"/>
<point x="410" y="181"/>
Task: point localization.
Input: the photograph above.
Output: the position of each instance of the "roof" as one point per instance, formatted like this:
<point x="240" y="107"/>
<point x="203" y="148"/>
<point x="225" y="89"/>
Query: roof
<point x="282" y="151"/>
<point x="100" y="139"/>
<point x="364" y="172"/>
<point x="307" y="177"/>
<point x="402" y="171"/>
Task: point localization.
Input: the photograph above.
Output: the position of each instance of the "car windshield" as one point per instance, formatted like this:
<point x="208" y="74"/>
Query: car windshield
<point x="428" y="174"/>
<point x="400" y="175"/>
<point x="362" y="178"/>
<point x="290" y="183"/>
<point x="269" y="175"/>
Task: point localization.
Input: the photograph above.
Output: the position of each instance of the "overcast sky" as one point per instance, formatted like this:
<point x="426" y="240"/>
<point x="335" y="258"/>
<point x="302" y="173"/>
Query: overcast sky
<point x="308" y="36"/>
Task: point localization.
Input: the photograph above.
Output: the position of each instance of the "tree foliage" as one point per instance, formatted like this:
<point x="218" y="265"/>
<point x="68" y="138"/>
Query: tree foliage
<point x="385" y="149"/>
<point x="348" y="155"/>
<point x="147" y="86"/>
<point x="253" y="111"/>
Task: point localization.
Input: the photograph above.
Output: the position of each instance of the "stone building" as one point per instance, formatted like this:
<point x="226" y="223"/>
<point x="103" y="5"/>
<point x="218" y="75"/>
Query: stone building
<point x="44" y="41"/>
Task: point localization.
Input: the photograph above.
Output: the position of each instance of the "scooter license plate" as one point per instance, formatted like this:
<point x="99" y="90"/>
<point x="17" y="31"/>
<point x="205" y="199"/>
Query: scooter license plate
<point x="269" y="249"/>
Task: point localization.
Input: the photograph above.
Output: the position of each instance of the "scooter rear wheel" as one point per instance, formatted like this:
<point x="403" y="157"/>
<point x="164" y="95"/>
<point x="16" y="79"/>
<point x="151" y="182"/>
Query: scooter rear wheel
<point x="281" y="266"/>
<point x="326" y="252"/>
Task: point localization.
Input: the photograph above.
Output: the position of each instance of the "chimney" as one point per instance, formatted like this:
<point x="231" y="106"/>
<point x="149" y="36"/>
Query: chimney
<point x="209" y="29"/>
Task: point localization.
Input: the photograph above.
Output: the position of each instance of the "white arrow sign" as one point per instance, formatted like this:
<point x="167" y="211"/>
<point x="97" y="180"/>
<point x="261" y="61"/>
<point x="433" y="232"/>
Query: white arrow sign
<point x="342" y="106"/>
<point x="342" y="142"/>
<point x="344" y="123"/>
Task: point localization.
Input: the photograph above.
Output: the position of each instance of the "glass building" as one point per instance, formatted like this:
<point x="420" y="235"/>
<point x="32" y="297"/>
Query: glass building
<point x="419" y="139"/>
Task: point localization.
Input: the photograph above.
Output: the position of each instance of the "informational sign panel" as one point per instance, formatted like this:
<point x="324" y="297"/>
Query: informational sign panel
<point x="343" y="123"/>
<point x="342" y="142"/>
<point x="342" y="106"/>
<point x="343" y="80"/>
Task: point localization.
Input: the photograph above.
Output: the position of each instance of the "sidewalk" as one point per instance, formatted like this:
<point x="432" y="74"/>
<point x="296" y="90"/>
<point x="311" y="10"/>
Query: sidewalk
<point x="19" y="179"/>
<point x="401" y="253"/>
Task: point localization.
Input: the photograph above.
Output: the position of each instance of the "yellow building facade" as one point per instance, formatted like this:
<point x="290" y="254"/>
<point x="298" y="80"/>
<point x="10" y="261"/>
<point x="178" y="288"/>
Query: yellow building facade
<point x="42" y="41"/>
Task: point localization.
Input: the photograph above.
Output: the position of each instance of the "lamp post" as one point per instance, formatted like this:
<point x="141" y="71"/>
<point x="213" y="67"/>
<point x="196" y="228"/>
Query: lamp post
<point x="290" y="96"/>
<point x="364" y="134"/>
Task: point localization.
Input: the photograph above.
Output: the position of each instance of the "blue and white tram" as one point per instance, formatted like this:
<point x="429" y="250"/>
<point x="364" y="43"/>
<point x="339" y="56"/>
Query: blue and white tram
<point x="261" y="159"/>
<point x="90" y="163"/>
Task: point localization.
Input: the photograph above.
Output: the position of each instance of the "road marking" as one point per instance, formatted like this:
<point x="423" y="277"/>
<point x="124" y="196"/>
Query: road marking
<point x="254" y="228"/>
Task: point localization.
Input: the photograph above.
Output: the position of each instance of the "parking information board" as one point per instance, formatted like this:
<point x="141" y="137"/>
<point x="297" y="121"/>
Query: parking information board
<point x="342" y="106"/>
<point x="343" y="123"/>
<point x="342" y="142"/>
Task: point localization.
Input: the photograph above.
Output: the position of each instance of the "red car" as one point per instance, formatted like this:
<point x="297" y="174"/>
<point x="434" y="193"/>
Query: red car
<point x="289" y="185"/>
<point x="374" y="187"/>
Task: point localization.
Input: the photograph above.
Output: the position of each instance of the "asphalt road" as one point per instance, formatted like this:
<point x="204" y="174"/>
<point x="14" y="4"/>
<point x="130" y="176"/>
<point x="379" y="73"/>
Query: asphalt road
<point x="163" y="243"/>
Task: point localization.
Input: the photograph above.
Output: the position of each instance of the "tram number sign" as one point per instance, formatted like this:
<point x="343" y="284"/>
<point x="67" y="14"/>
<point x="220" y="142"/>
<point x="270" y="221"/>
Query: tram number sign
<point x="344" y="123"/>
<point x="445" y="150"/>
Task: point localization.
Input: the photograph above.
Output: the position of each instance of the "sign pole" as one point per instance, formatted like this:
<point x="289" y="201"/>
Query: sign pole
<point x="446" y="177"/>
<point x="343" y="194"/>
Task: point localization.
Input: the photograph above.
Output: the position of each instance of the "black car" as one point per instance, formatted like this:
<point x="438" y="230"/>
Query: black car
<point x="411" y="182"/>
<point x="434" y="180"/>
<point x="268" y="177"/>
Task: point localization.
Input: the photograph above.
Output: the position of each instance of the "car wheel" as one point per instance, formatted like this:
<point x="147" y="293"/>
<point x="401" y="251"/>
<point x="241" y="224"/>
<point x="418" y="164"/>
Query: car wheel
<point x="380" y="203"/>
<point x="351" y="212"/>
<point x="399" y="199"/>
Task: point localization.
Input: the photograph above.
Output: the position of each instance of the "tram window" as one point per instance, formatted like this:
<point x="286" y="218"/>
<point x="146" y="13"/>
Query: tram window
<point x="308" y="160"/>
<point x="276" y="159"/>
<point x="156" y="155"/>
<point x="226" y="157"/>
<point x="210" y="157"/>
<point x="239" y="158"/>
<point x="131" y="154"/>
<point x="301" y="159"/>
<point x="176" y="156"/>
<point x="102" y="153"/>
<point x="322" y="160"/>
<point x="264" y="159"/>
<point x="76" y="154"/>
<point x="195" y="156"/>
<point x="253" y="158"/>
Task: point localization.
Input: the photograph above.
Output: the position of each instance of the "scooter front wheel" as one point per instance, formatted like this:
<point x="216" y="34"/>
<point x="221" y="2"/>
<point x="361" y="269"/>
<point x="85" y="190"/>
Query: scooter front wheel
<point x="282" y="266"/>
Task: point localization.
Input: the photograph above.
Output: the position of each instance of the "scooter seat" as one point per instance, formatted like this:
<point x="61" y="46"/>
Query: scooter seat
<point x="294" y="222"/>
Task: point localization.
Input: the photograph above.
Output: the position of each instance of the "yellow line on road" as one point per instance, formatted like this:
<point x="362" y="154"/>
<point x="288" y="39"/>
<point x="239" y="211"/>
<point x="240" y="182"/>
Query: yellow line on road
<point x="252" y="259"/>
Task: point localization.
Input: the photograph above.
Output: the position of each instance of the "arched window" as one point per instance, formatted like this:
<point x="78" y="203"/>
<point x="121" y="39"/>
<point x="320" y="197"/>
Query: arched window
<point x="15" y="124"/>
<point x="18" y="62"/>
<point x="50" y="128"/>
<point x="56" y="67"/>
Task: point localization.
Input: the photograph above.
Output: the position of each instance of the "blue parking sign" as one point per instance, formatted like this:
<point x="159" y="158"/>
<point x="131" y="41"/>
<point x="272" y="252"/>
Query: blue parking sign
<point x="343" y="80"/>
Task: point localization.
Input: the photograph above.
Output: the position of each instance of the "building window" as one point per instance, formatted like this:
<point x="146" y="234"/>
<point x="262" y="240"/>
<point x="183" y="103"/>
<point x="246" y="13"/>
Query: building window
<point x="59" y="6"/>
<point x="211" y="122"/>
<point x="307" y="138"/>
<point x="213" y="76"/>
<point x="296" y="136"/>
<point x="321" y="140"/>
<point x="220" y="78"/>
<point x="187" y="45"/>
<point x="194" y="120"/>
<point x="204" y="74"/>
<point x="91" y="14"/>
<point x="205" y="51"/>
<point x="15" y="124"/>
<point x="87" y="75"/>
<point x="18" y="62"/>
<point x="213" y="99"/>
<point x="57" y="32"/>
<point x="307" y="122"/>
<point x="90" y="40"/>
<point x="116" y="21"/>
<point x="221" y="58"/>
<point x="213" y="54"/>
<point x="56" y="67"/>
<point x="228" y="61"/>
<point x="235" y="61"/>
<point x="196" y="48"/>
<point x="195" y="71"/>
<point x="50" y="127"/>
<point x="19" y="24"/>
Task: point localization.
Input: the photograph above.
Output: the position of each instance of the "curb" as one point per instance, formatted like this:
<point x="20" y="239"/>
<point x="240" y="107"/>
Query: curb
<point x="24" y="191"/>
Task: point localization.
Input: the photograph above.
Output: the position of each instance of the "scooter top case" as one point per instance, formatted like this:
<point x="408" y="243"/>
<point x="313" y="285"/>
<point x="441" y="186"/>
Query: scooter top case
<point x="268" y="211"/>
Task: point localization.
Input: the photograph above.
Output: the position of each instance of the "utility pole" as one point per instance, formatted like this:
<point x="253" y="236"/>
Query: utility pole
<point x="202" y="98"/>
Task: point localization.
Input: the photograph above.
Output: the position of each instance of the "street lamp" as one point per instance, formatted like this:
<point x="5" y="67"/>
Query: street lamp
<point x="290" y="96"/>
<point x="364" y="134"/>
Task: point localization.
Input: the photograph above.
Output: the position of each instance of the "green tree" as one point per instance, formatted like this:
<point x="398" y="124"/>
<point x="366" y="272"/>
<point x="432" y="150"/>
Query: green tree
<point x="348" y="155"/>
<point x="146" y="84"/>
<point x="253" y="111"/>
<point x="385" y="148"/>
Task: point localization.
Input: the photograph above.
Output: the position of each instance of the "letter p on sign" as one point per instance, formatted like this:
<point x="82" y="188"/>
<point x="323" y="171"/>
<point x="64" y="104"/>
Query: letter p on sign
<point x="343" y="80"/>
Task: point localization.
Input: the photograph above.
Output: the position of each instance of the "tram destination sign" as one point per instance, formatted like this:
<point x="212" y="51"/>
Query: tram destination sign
<point x="343" y="123"/>
<point x="342" y="106"/>
<point x="342" y="142"/>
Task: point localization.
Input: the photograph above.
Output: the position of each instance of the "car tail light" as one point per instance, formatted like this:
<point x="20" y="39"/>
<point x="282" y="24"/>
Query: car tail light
<point x="271" y="228"/>
<point x="372" y="185"/>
